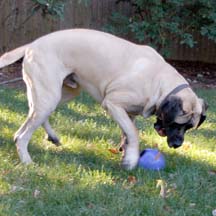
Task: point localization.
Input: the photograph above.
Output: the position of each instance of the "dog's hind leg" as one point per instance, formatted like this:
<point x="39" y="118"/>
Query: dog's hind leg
<point x="22" y="139"/>
<point x="42" y="98"/>
<point x="35" y="119"/>
<point x="68" y="93"/>
<point x="51" y="135"/>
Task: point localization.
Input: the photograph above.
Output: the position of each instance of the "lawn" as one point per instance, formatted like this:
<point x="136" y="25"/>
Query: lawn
<point x="82" y="177"/>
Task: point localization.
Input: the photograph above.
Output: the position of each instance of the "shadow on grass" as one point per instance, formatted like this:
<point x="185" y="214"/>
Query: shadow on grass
<point x="13" y="100"/>
<point x="6" y="135"/>
<point x="18" y="104"/>
<point x="88" y="159"/>
<point x="9" y="100"/>
<point x="66" y="112"/>
<point x="58" y="191"/>
<point x="194" y="183"/>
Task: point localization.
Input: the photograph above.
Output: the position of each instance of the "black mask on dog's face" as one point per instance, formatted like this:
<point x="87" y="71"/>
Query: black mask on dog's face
<point x="174" y="132"/>
<point x="166" y="125"/>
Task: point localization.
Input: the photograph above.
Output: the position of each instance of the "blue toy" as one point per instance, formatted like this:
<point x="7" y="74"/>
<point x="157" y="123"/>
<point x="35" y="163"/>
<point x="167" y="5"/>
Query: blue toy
<point x="151" y="159"/>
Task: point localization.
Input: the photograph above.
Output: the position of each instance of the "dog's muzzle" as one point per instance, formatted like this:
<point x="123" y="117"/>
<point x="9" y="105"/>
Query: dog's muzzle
<point x="160" y="129"/>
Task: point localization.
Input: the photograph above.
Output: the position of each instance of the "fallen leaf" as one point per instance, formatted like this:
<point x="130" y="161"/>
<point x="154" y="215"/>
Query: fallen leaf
<point x="192" y="205"/>
<point x="167" y="208"/>
<point x="132" y="179"/>
<point x="212" y="172"/>
<point x="174" y="186"/>
<point x="172" y="175"/>
<point x="90" y="205"/>
<point x="15" y="188"/>
<point x="163" y="188"/>
<point x="36" y="193"/>
<point x="155" y="145"/>
<point x="5" y="172"/>
<point x="187" y="146"/>
<point x="114" y="150"/>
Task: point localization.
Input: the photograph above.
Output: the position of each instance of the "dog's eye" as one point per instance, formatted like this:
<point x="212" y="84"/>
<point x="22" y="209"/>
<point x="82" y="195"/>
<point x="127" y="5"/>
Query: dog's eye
<point x="180" y="126"/>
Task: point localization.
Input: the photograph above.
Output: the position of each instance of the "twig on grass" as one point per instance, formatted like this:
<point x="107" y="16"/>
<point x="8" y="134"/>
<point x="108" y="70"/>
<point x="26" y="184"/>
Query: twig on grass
<point x="11" y="81"/>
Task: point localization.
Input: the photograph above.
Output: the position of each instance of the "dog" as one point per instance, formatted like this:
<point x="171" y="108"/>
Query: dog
<point x="125" y="78"/>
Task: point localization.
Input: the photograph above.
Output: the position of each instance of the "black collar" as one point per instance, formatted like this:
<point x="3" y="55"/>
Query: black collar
<point x="173" y="92"/>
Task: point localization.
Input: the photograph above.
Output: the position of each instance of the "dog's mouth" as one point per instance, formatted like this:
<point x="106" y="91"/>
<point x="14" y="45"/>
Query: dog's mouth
<point x="173" y="142"/>
<point x="160" y="130"/>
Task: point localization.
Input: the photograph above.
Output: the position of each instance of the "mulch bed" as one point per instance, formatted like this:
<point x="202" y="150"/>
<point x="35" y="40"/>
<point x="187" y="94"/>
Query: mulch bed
<point x="198" y="74"/>
<point x="10" y="73"/>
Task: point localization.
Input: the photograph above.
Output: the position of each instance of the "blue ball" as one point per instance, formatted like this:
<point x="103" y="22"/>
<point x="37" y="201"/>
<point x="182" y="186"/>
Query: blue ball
<point x="151" y="159"/>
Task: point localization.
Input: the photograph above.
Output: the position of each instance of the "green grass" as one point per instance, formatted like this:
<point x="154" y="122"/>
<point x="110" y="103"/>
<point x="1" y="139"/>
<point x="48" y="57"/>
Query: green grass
<point x="82" y="177"/>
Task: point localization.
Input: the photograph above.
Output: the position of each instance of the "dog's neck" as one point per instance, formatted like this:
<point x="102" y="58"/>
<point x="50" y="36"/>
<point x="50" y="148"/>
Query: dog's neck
<point x="173" y="92"/>
<point x="155" y="108"/>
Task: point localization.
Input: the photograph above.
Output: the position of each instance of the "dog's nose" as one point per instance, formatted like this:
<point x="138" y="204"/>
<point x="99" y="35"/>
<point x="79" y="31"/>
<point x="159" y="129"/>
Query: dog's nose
<point x="176" y="143"/>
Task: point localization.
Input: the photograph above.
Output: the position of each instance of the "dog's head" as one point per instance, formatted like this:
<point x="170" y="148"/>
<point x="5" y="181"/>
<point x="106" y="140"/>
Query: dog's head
<point x="174" y="118"/>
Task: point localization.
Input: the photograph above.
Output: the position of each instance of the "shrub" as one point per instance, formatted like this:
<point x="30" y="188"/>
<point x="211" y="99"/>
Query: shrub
<point x="52" y="7"/>
<point x="160" y="22"/>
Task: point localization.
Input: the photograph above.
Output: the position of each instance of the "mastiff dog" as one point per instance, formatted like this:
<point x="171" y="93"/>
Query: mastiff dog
<point x="125" y="78"/>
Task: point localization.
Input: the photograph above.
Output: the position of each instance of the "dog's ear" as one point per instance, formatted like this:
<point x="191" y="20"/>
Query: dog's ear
<point x="170" y="108"/>
<point x="200" y="116"/>
<point x="203" y="114"/>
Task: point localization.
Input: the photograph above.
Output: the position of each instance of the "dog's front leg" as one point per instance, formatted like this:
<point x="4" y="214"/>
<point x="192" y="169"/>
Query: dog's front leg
<point x="124" y="141"/>
<point x="131" y="155"/>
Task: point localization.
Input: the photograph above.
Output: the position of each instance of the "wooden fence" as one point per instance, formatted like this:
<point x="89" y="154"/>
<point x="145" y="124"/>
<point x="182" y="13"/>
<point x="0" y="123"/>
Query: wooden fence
<point x="17" y="27"/>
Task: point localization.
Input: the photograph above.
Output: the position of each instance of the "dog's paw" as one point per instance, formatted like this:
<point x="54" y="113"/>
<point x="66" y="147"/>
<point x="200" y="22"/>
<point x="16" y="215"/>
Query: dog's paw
<point x="130" y="159"/>
<point x="54" y="140"/>
<point x="25" y="159"/>
<point x="24" y="156"/>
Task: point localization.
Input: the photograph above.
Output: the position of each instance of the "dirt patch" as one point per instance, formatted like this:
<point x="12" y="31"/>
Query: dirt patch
<point x="198" y="74"/>
<point x="9" y="75"/>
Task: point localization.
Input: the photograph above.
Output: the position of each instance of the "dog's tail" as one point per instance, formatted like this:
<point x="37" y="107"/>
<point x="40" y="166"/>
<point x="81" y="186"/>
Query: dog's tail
<point x="12" y="56"/>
